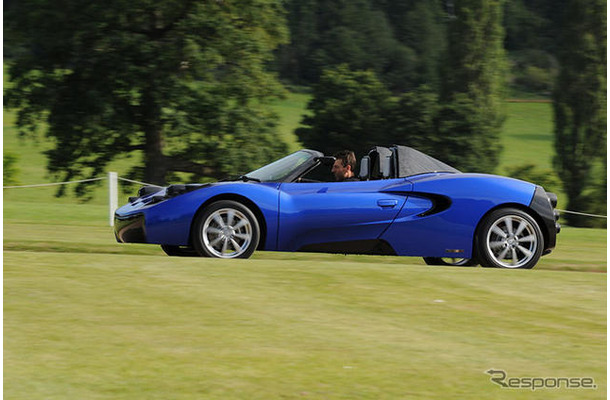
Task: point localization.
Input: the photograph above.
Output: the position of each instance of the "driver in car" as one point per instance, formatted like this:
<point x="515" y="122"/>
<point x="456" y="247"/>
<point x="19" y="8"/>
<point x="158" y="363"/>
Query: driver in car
<point x="344" y="166"/>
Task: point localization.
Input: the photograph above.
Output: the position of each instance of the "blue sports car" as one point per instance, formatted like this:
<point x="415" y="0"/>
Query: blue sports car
<point x="405" y="203"/>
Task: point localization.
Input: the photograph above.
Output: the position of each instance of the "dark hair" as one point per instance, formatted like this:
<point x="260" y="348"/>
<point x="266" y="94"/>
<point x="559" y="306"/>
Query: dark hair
<point x="347" y="157"/>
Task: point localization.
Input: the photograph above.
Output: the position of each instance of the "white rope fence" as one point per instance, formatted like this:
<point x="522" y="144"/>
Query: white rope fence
<point x="138" y="182"/>
<point x="113" y="193"/>
<point x="113" y="189"/>
<point x="581" y="213"/>
<point x="53" y="184"/>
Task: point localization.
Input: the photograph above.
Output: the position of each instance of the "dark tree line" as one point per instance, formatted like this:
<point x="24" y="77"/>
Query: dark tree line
<point x="402" y="41"/>
<point x="186" y="84"/>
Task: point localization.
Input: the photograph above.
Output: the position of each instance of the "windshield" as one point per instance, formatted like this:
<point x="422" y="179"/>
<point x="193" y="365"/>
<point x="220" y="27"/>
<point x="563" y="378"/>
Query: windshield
<point x="279" y="170"/>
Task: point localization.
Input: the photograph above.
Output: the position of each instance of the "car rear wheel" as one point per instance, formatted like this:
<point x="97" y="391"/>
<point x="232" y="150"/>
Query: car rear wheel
<point x="456" y="262"/>
<point x="509" y="238"/>
<point x="226" y="229"/>
<point x="179" y="251"/>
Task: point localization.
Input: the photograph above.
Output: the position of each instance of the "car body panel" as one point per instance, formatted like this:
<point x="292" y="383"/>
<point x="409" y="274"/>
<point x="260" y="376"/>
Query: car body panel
<point x="450" y="232"/>
<point x="312" y="213"/>
<point x="169" y="222"/>
<point x="434" y="214"/>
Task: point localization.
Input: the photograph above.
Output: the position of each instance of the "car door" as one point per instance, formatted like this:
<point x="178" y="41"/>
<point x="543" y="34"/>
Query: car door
<point x="312" y="214"/>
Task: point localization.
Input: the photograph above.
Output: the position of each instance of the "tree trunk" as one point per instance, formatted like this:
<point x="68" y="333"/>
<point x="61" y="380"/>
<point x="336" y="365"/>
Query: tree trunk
<point x="155" y="164"/>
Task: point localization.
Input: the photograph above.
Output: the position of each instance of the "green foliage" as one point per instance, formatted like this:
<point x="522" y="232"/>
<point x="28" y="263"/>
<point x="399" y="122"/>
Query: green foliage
<point x="528" y="24"/>
<point x="473" y="84"/>
<point x="533" y="71"/>
<point x="533" y="39"/>
<point x="580" y="107"/>
<point x="348" y="111"/>
<point x="546" y="178"/>
<point x="403" y="41"/>
<point x="353" y="109"/>
<point x="422" y="25"/>
<point x="413" y="120"/>
<point x="9" y="169"/>
<point x="597" y="194"/>
<point x="452" y="132"/>
<point x="465" y="138"/>
<point x="185" y="83"/>
<point x="401" y="44"/>
<point x="535" y="79"/>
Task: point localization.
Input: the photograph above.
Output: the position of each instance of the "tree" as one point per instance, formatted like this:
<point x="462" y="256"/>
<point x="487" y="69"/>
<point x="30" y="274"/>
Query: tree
<point x="294" y="58"/>
<point x="413" y="120"/>
<point x="349" y="110"/>
<point x="580" y="107"/>
<point x="421" y="24"/>
<point x="473" y="84"/>
<point x="330" y="33"/>
<point x="184" y="82"/>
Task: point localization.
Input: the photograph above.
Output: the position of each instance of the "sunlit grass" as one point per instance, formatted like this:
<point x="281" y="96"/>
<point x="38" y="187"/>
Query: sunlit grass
<point x="144" y="326"/>
<point x="528" y="135"/>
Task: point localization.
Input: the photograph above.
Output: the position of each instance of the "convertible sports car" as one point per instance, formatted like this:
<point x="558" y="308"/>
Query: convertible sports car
<point x="405" y="203"/>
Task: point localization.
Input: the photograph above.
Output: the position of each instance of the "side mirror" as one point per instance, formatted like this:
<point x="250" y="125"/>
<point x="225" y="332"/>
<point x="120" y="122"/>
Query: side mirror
<point x="365" y="165"/>
<point x="326" y="160"/>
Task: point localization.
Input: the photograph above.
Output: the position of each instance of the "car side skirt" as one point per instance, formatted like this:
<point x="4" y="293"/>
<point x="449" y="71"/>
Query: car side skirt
<point x="368" y="247"/>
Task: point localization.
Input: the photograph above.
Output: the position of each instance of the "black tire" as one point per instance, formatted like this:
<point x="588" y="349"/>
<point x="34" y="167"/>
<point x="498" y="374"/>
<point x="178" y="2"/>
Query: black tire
<point x="179" y="251"/>
<point x="226" y="229"/>
<point x="454" y="262"/>
<point x="509" y="238"/>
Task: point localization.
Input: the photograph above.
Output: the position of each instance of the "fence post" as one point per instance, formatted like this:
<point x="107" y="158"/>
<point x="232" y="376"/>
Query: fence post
<point x="113" y="194"/>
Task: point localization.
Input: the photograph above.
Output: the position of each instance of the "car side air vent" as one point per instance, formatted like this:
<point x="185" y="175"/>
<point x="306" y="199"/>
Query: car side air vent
<point x="439" y="203"/>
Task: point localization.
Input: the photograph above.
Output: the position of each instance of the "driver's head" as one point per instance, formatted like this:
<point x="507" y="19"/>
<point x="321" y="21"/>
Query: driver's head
<point x="344" y="166"/>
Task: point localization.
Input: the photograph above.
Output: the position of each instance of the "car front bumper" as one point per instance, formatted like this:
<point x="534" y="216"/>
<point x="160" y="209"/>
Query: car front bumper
<point x="130" y="228"/>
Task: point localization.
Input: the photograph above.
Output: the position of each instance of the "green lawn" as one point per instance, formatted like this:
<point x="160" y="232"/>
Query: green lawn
<point x="135" y="326"/>
<point x="85" y="317"/>
<point x="528" y="135"/>
<point x="291" y="110"/>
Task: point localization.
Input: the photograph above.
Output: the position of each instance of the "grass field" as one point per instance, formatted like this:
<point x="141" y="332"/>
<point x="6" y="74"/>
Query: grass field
<point x="84" y="320"/>
<point x="85" y="317"/>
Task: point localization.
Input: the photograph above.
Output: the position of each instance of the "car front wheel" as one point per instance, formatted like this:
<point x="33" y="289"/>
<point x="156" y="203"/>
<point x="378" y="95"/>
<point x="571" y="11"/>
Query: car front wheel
<point x="226" y="229"/>
<point x="509" y="238"/>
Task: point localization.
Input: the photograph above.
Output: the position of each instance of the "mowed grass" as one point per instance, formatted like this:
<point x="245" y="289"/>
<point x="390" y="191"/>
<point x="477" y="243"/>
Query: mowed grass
<point x="527" y="136"/>
<point x="85" y="317"/>
<point x="129" y="326"/>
